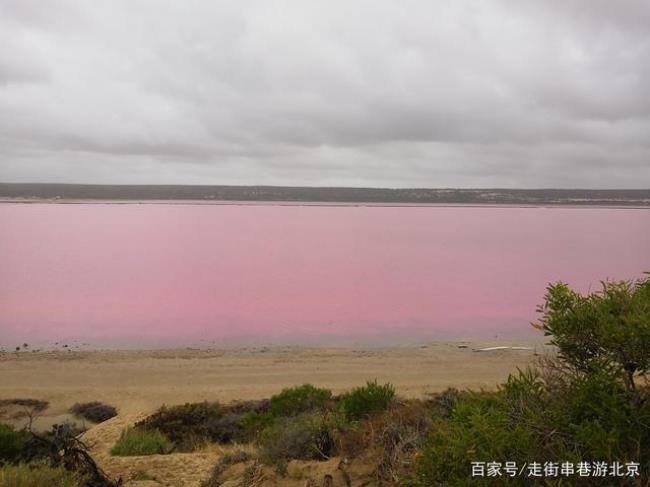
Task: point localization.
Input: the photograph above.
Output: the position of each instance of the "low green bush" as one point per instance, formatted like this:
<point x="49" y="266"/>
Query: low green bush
<point x="37" y="475"/>
<point x="295" y="400"/>
<point x="363" y="401"/>
<point x="141" y="441"/>
<point x="303" y="437"/>
<point x="253" y="423"/>
<point x="11" y="443"/>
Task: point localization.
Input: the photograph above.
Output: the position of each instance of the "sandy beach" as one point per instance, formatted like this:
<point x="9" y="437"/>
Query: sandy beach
<point x="141" y="381"/>
<point x="138" y="382"/>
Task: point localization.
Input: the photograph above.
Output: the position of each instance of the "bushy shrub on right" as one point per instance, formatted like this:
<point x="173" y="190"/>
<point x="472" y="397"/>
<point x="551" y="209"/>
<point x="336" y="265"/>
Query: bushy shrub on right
<point x="589" y="404"/>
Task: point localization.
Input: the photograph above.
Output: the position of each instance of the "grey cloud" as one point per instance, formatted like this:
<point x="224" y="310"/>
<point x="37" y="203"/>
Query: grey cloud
<point x="460" y="93"/>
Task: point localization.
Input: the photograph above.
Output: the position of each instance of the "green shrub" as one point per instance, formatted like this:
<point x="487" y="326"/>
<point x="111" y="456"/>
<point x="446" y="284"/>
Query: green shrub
<point x="366" y="400"/>
<point x="304" y="437"/>
<point x="140" y="441"/>
<point x="479" y="429"/>
<point x="299" y="399"/>
<point x="37" y="476"/>
<point x="11" y="443"/>
<point x="605" y="329"/>
<point x="567" y="415"/>
<point x="253" y="423"/>
<point x="529" y="419"/>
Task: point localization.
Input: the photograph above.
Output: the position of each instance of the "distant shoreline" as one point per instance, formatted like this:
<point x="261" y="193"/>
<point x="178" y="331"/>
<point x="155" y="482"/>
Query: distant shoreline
<point x="320" y="196"/>
<point x="319" y="204"/>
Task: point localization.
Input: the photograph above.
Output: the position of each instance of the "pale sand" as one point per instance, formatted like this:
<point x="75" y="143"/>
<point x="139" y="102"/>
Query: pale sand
<point x="138" y="382"/>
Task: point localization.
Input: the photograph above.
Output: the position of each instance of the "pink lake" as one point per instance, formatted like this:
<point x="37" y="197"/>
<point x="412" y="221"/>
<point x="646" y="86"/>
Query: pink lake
<point x="186" y="274"/>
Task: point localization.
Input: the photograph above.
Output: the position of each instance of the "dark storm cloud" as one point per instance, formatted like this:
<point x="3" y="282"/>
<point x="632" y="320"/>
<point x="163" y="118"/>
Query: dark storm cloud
<point x="414" y="93"/>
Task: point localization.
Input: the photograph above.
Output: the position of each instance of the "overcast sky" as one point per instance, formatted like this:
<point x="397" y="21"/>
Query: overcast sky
<point x="353" y="93"/>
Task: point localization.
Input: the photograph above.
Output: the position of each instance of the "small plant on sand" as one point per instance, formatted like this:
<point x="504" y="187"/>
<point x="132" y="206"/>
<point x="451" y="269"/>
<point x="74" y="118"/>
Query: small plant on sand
<point x="142" y="475"/>
<point x="252" y="475"/>
<point x="141" y="441"/>
<point x="364" y="401"/>
<point x="94" y="411"/>
<point x="38" y="475"/>
<point x="225" y="461"/>
<point x="296" y="400"/>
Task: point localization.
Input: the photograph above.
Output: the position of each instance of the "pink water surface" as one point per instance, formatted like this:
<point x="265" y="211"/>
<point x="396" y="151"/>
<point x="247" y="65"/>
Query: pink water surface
<point x="184" y="273"/>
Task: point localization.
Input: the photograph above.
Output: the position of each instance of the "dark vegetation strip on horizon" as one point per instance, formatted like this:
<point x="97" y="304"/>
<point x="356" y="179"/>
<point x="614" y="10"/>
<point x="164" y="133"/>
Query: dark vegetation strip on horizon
<point x="582" y="197"/>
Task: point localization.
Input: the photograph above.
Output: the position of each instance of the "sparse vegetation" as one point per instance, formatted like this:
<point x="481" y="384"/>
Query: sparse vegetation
<point x="226" y="460"/>
<point x="38" y="475"/>
<point x="142" y="475"/>
<point x="94" y="411"/>
<point x="252" y="475"/>
<point x="142" y="441"/>
<point x="23" y="409"/>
